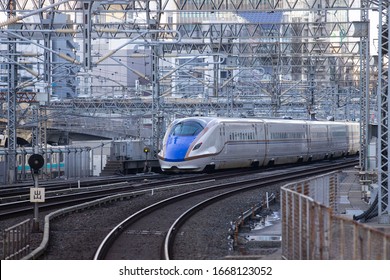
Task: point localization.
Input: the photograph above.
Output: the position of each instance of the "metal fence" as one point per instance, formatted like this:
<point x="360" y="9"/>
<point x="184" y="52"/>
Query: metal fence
<point x="311" y="229"/>
<point x="16" y="241"/>
<point x="60" y="161"/>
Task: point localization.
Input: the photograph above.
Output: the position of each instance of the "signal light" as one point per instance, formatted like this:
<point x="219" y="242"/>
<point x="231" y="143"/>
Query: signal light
<point x="146" y="150"/>
<point x="36" y="162"/>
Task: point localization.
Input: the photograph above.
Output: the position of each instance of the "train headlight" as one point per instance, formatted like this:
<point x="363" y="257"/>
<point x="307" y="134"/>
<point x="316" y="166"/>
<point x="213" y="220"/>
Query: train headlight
<point x="197" y="146"/>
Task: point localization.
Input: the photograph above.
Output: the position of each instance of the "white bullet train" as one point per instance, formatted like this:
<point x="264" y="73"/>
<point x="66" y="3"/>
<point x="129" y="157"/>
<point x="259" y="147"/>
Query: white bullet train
<point x="206" y="143"/>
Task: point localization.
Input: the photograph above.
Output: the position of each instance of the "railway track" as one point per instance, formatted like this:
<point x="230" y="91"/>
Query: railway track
<point x="150" y="232"/>
<point x="57" y="196"/>
<point x="21" y="191"/>
<point x="81" y="227"/>
<point x="72" y="196"/>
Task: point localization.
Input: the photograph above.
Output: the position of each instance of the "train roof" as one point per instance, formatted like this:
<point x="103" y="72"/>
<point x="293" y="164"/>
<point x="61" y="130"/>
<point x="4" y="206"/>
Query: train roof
<point x="261" y="120"/>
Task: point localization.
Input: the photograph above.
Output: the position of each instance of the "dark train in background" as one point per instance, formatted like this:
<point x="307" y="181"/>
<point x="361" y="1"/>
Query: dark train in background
<point x="207" y="143"/>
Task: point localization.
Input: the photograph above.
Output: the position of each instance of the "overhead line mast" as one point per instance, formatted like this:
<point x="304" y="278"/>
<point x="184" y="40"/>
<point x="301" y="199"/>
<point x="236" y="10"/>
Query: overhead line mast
<point x="383" y="116"/>
<point x="11" y="98"/>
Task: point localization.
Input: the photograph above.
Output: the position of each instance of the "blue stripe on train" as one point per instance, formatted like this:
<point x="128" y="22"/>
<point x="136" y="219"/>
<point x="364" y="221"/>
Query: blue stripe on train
<point x="177" y="147"/>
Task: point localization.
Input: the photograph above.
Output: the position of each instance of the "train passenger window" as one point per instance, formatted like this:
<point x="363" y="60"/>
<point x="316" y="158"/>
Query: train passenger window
<point x="189" y="128"/>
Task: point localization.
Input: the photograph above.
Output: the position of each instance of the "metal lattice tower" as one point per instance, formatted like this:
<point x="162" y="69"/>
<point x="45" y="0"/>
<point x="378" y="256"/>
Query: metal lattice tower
<point x="11" y="99"/>
<point x="383" y="117"/>
<point x="364" y="89"/>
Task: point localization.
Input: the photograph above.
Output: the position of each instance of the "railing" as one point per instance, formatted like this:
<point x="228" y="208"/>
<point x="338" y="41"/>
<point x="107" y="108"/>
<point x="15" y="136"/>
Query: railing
<point x="16" y="241"/>
<point x="71" y="162"/>
<point x="311" y="229"/>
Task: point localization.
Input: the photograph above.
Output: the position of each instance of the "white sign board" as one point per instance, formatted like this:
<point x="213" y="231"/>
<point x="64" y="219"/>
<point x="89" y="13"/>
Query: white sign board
<point x="37" y="194"/>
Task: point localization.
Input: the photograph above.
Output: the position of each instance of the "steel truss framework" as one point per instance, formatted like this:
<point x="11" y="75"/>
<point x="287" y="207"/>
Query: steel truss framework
<point x="365" y="92"/>
<point x="250" y="43"/>
<point x="383" y="104"/>
<point x="316" y="59"/>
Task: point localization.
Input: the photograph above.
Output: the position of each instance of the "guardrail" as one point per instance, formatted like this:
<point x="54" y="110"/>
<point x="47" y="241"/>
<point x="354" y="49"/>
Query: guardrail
<point x="16" y="240"/>
<point x="312" y="230"/>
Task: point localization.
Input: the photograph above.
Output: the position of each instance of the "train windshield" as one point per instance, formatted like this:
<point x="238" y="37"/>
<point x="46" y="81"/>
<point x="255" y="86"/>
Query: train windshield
<point x="188" y="128"/>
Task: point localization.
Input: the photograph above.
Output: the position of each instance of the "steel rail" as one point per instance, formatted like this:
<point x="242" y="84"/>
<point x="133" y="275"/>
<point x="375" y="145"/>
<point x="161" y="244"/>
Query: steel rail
<point x="114" y="234"/>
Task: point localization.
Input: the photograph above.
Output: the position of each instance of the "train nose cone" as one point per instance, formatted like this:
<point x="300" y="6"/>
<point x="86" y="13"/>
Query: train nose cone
<point x="177" y="147"/>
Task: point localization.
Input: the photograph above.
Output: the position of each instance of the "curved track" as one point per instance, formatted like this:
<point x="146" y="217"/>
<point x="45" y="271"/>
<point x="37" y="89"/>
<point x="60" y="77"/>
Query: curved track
<point x="149" y="233"/>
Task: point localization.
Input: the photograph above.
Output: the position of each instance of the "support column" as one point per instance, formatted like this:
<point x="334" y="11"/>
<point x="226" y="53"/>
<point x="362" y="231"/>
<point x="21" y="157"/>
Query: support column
<point x="364" y="34"/>
<point x="157" y="115"/>
<point x="11" y="100"/>
<point x="383" y="117"/>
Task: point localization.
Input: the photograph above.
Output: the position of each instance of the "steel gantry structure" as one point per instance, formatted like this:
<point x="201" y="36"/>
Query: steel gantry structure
<point x="383" y="205"/>
<point x="188" y="57"/>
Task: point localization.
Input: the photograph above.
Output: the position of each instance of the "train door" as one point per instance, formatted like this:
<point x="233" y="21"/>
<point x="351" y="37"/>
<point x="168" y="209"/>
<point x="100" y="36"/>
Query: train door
<point x="353" y="138"/>
<point x="223" y="159"/>
<point x="338" y="134"/>
<point x="228" y="155"/>
<point x="260" y="138"/>
<point x="226" y="131"/>
<point x="223" y="133"/>
<point x="309" y="139"/>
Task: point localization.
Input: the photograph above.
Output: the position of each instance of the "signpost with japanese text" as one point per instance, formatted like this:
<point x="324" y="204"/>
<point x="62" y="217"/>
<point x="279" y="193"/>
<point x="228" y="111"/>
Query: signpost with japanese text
<point x="37" y="195"/>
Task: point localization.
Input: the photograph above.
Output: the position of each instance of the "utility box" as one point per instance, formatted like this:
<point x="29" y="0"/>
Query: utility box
<point x="128" y="150"/>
